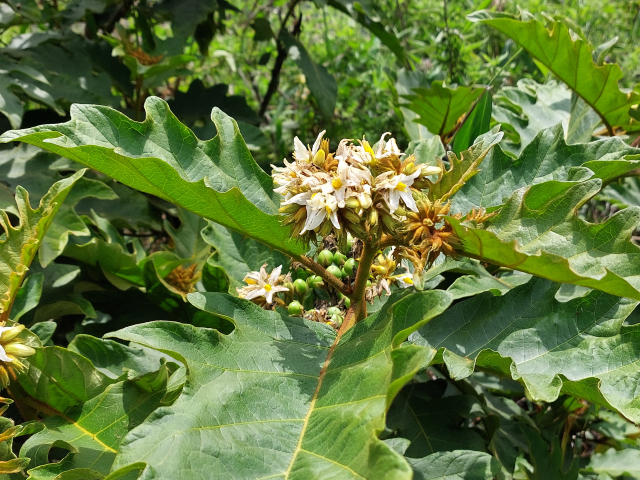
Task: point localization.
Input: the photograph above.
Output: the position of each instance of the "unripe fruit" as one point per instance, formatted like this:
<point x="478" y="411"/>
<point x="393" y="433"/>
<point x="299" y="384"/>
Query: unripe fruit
<point x="339" y="258"/>
<point x="295" y="308"/>
<point x="334" y="311"/>
<point x="300" y="287"/>
<point x="337" y="320"/>
<point x="314" y="281"/>
<point x="349" y="267"/>
<point x="368" y="283"/>
<point x="347" y="302"/>
<point x="335" y="270"/>
<point x="325" y="257"/>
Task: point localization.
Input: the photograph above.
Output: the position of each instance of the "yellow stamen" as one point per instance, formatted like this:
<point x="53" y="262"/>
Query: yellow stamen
<point x="408" y="280"/>
<point x="336" y="182"/>
<point x="328" y="210"/>
<point x="401" y="186"/>
<point x="250" y="281"/>
<point x="267" y="287"/>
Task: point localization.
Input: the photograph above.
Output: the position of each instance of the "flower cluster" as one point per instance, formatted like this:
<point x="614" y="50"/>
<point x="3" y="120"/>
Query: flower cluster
<point x="354" y="189"/>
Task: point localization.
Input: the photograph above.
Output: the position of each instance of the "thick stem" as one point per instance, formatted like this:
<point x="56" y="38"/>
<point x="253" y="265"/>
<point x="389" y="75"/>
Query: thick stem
<point x="322" y="272"/>
<point x="357" y="297"/>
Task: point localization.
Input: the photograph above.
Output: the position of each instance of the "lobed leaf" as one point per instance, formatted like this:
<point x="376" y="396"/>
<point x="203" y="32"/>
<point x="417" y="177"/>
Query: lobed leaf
<point x="217" y="179"/>
<point x="275" y="398"/>
<point x="537" y="232"/>
<point x="572" y="62"/>
<point x="546" y="157"/>
<point x="581" y="347"/>
<point x="19" y="244"/>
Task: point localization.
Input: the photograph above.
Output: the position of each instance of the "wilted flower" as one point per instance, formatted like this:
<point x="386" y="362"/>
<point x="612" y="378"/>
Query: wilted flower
<point x="261" y="284"/>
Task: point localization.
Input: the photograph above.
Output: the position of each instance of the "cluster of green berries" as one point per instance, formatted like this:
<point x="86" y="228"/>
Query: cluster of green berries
<point x="336" y="263"/>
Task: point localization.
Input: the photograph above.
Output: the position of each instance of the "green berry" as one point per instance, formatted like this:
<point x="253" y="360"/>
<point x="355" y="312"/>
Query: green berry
<point x="339" y="258"/>
<point x="334" y="311"/>
<point x="314" y="281"/>
<point x="295" y="308"/>
<point x="347" y="302"/>
<point x="349" y="267"/>
<point x="300" y="287"/>
<point x="334" y="270"/>
<point x="368" y="283"/>
<point x="325" y="257"/>
<point x="337" y="319"/>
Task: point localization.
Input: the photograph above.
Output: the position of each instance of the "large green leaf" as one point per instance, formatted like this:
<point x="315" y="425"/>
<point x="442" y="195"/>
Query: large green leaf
<point x="456" y="465"/>
<point x="440" y="107"/>
<point x="537" y="232"/>
<point x="572" y="62"/>
<point x="217" y="179"/>
<point x="547" y="157"/>
<point x="581" y="347"/>
<point x="93" y="431"/>
<point x="61" y="378"/>
<point x="19" y="244"/>
<point x="275" y="398"/>
<point x="477" y="123"/>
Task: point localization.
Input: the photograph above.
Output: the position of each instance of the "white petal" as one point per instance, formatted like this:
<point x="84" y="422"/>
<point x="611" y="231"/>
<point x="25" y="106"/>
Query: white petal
<point x="382" y="144"/>
<point x="394" y="200"/>
<point x="334" y="219"/>
<point x="300" y="199"/>
<point x="273" y="278"/>
<point x="3" y="355"/>
<point x="301" y="153"/>
<point x="408" y="200"/>
<point x="258" y="292"/>
<point x="269" y="296"/>
<point x="314" y="219"/>
<point x="317" y="143"/>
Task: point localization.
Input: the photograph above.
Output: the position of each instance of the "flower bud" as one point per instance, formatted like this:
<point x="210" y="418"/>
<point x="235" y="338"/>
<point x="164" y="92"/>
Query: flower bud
<point x="319" y="158"/>
<point x="12" y="333"/>
<point x="365" y="200"/>
<point x="373" y="218"/>
<point x="429" y="170"/>
<point x="291" y="208"/>
<point x="351" y="216"/>
<point x="19" y="350"/>
<point x="409" y="169"/>
<point x="400" y="212"/>
<point x="352" y="202"/>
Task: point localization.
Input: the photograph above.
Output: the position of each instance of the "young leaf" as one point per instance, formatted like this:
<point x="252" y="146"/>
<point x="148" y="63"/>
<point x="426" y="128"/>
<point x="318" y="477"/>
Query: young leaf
<point x="278" y="395"/>
<point x="547" y="157"/>
<point x="461" y="170"/>
<point x="580" y="347"/>
<point x="20" y="244"/>
<point x="217" y="179"/>
<point x="571" y="61"/>
<point x="537" y="232"/>
<point x="477" y="123"/>
<point x="440" y="107"/>
<point x="455" y="465"/>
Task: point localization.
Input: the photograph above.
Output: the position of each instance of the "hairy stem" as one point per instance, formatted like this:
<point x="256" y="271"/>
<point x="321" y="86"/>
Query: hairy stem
<point x="358" y="301"/>
<point x="322" y="272"/>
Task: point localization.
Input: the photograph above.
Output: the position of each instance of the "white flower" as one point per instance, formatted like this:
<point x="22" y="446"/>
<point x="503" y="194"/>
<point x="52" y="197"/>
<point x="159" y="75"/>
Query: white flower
<point x="396" y="187"/>
<point x="404" y="280"/>
<point x="319" y="207"/>
<point x="387" y="149"/>
<point x="260" y="284"/>
<point x="302" y="153"/>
